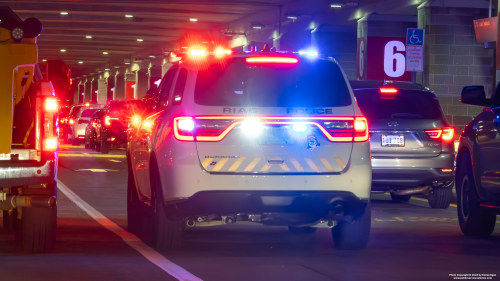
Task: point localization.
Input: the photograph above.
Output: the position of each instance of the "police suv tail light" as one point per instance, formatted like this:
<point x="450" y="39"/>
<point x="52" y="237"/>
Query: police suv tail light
<point x="180" y="126"/>
<point x="107" y="120"/>
<point x="360" y="129"/>
<point x="71" y="121"/>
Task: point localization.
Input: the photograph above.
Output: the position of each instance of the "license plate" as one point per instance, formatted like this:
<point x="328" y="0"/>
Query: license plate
<point x="393" y="140"/>
<point x="275" y="136"/>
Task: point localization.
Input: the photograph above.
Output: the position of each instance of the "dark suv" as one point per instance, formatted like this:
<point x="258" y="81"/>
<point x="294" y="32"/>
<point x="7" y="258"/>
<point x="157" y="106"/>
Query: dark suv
<point x="478" y="165"/>
<point x="111" y="127"/>
<point x="412" y="143"/>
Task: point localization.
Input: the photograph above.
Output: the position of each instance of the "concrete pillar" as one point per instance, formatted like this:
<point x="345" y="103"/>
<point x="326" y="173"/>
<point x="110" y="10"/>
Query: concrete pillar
<point x="130" y="84"/>
<point x="87" y="90"/>
<point x="110" y="83"/>
<point x="81" y="92"/>
<point x="167" y="63"/>
<point x="119" y="91"/>
<point x="94" y="88"/>
<point x="76" y="91"/>
<point x="378" y="35"/>
<point x="102" y="91"/>
<point x="154" y="74"/>
<point x="452" y="56"/>
<point x="141" y="83"/>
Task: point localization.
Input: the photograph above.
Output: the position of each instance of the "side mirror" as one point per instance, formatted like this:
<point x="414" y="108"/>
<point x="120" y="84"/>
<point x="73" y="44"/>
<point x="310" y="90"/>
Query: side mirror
<point x="474" y="95"/>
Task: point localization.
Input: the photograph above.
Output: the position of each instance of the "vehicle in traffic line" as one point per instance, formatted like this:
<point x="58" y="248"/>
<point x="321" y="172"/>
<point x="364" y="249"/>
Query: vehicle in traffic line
<point x="29" y="140"/>
<point x="80" y="121"/>
<point x="412" y="143"/>
<point x="478" y="165"/>
<point x="111" y="126"/>
<point x="92" y="129"/>
<point x="264" y="137"/>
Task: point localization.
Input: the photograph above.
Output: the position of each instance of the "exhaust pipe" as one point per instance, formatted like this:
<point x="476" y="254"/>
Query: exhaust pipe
<point x="37" y="201"/>
<point x="412" y="190"/>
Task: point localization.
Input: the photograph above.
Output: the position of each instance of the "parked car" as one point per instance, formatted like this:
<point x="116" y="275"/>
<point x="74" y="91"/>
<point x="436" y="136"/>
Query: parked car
<point x="92" y="129"/>
<point x="478" y="165"/>
<point x="412" y="143"/>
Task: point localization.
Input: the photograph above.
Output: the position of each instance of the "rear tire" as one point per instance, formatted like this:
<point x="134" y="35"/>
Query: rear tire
<point x="134" y="211"/>
<point x="104" y="145"/>
<point x="353" y="235"/>
<point x="473" y="220"/>
<point x="400" y="198"/>
<point x="300" y="230"/>
<point x="167" y="230"/>
<point x="38" y="229"/>
<point x="441" y="198"/>
<point x="10" y="222"/>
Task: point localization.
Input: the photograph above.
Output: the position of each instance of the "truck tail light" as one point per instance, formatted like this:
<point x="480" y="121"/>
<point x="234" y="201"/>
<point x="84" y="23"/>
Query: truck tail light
<point x="446" y="134"/>
<point x="50" y="144"/>
<point x="71" y="121"/>
<point x="215" y="128"/>
<point x="51" y="105"/>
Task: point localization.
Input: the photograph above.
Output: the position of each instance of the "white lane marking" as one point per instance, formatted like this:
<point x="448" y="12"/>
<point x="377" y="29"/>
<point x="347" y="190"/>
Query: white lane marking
<point x="129" y="238"/>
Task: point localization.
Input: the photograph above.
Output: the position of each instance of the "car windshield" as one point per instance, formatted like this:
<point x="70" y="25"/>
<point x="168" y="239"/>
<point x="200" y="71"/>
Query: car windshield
<point x="88" y="113"/>
<point x="74" y="111"/>
<point x="407" y="104"/>
<point x="310" y="83"/>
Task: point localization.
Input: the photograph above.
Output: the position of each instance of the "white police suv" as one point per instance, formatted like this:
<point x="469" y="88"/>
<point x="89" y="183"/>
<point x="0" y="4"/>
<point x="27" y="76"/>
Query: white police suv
<point x="264" y="137"/>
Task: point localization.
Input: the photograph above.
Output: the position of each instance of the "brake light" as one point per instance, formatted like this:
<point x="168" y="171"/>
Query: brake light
<point x="87" y="104"/>
<point x="94" y="124"/>
<point x="136" y="120"/>
<point x="197" y="53"/>
<point x="271" y="60"/>
<point x="50" y="144"/>
<point x="446" y="134"/>
<point x="107" y="120"/>
<point x="389" y="90"/>
<point x="71" y="121"/>
<point x="222" y="52"/>
<point x="360" y="129"/>
<point x="215" y="128"/>
<point x="446" y="170"/>
<point x="51" y="105"/>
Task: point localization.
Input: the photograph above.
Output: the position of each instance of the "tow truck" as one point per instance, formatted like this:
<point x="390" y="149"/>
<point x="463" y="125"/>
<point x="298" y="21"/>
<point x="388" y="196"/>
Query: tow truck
<point x="29" y="139"/>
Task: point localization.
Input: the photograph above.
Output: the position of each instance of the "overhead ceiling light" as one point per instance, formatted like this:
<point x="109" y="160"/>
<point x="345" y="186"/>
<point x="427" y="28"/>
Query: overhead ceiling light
<point x="44" y="60"/>
<point x="64" y="13"/>
<point x="340" y="5"/>
<point x="127" y="63"/>
<point x="184" y="47"/>
<point x="107" y="69"/>
<point x="104" y="53"/>
<point x="292" y="16"/>
<point x="63" y="50"/>
<point x="129" y="16"/>
<point x="257" y="26"/>
<point x="80" y="62"/>
<point x="152" y="56"/>
<point x="140" y="40"/>
<point x="193" y="19"/>
<point x="88" y="37"/>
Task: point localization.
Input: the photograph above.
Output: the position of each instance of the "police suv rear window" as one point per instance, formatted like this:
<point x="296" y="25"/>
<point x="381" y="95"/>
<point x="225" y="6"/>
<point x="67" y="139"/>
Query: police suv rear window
<point x="309" y="83"/>
<point x="406" y="104"/>
<point x="88" y="112"/>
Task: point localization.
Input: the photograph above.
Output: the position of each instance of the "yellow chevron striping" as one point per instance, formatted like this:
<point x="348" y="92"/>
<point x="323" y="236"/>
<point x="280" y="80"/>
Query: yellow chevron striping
<point x="327" y="164"/>
<point x="206" y="162"/>
<point x="266" y="167"/>
<point x="311" y="164"/>
<point x="296" y="164"/>
<point x="219" y="165"/>
<point x="236" y="164"/>
<point x="252" y="165"/>
<point x="284" y="167"/>
<point x="340" y="162"/>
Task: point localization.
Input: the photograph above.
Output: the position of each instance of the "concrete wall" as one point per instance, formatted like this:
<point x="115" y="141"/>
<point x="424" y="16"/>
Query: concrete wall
<point x="453" y="58"/>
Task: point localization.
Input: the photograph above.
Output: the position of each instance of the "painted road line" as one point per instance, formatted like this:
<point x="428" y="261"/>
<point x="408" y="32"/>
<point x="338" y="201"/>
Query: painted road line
<point x="112" y="160"/>
<point x="129" y="238"/>
<point x="92" y="155"/>
<point x="98" y="170"/>
<point x="425" y="200"/>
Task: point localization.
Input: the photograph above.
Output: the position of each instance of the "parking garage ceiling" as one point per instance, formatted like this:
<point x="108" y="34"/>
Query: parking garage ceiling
<point x="90" y="34"/>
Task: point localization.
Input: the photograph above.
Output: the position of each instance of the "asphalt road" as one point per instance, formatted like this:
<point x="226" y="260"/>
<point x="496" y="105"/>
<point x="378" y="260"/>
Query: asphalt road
<point x="409" y="241"/>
